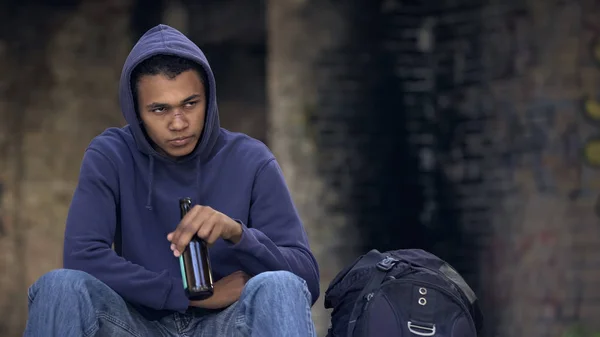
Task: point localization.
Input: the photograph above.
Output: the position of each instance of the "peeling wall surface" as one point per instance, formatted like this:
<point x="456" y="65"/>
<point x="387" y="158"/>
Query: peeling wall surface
<point x="299" y="34"/>
<point x="52" y="103"/>
<point x="541" y="92"/>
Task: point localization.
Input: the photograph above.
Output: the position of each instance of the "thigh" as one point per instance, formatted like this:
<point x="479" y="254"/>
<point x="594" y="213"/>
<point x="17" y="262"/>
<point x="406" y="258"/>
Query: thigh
<point x="214" y="323"/>
<point x="70" y="302"/>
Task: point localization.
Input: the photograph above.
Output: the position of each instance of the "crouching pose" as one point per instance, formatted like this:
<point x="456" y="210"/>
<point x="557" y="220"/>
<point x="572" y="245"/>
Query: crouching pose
<point x="130" y="183"/>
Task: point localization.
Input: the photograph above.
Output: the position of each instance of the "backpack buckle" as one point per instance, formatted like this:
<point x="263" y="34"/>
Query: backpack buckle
<point x="420" y="329"/>
<point x="387" y="263"/>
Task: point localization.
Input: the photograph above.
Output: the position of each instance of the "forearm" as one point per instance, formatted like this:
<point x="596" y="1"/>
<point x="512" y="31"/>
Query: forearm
<point x="226" y="291"/>
<point x="257" y="253"/>
<point x="133" y="282"/>
<point x="220" y="299"/>
<point x="276" y="239"/>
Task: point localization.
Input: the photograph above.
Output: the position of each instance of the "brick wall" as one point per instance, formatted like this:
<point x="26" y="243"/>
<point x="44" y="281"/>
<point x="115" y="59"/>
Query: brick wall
<point x="493" y="92"/>
<point x="437" y="64"/>
<point x="349" y="125"/>
<point x="504" y="83"/>
<point x="493" y="97"/>
<point x="455" y="126"/>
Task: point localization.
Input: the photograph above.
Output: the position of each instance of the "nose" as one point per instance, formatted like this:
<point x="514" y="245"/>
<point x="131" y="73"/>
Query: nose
<point x="178" y="122"/>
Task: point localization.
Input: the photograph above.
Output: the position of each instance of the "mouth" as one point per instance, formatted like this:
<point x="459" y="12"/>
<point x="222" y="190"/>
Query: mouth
<point x="180" y="141"/>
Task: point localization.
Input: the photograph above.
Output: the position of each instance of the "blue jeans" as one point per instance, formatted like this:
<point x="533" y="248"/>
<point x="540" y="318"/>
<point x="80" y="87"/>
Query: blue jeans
<point x="67" y="303"/>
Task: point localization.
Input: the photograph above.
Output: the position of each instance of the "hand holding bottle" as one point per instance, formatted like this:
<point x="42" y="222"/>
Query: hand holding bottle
<point x="208" y="224"/>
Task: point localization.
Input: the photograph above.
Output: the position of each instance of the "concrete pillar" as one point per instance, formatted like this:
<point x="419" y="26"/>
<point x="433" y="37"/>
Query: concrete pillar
<point x="300" y="34"/>
<point x="60" y="68"/>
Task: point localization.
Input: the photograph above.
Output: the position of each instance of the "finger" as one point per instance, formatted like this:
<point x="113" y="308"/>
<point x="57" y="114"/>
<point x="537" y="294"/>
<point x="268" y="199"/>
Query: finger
<point x="214" y="234"/>
<point x="185" y="221"/>
<point x="208" y="226"/>
<point x="188" y="230"/>
<point x="186" y="235"/>
<point x="175" y="251"/>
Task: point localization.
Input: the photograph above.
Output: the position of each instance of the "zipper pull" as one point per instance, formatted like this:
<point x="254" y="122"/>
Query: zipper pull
<point x="368" y="298"/>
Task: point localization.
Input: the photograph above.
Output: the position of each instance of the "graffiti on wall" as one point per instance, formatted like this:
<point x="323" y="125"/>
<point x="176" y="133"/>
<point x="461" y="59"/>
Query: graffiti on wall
<point x="560" y="153"/>
<point x="590" y="107"/>
<point x="536" y="140"/>
<point x="553" y="149"/>
<point x="591" y="148"/>
<point x="529" y="140"/>
<point x="558" y="157"/>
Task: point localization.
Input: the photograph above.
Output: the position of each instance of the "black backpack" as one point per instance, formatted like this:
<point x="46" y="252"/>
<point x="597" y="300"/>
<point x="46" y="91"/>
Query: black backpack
<point x="401" y="293"/>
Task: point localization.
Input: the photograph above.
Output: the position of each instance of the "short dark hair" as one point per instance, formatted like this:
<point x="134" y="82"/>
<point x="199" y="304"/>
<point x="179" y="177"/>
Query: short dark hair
<point x="168" y="65"/>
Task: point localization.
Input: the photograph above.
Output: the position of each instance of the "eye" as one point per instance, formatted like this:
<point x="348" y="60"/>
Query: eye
<point x="191" y="104"/>
<point x="159" y="110"/>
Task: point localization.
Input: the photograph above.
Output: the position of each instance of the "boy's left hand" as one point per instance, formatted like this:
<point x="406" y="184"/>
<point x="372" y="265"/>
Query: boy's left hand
<point x="227" y="291"/>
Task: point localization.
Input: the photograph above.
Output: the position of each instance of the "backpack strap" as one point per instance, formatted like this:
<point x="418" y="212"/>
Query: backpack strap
<point x="383" y="268"/>
<point x="422" y="309"/>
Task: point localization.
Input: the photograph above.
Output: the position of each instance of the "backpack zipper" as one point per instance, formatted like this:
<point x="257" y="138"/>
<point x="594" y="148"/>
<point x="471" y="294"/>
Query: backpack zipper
<point x="391" y="278"/>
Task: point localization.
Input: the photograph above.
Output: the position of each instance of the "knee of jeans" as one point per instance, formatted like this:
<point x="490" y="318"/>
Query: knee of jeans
<point x="272" y="280"/>
<point x="59" y="282"/>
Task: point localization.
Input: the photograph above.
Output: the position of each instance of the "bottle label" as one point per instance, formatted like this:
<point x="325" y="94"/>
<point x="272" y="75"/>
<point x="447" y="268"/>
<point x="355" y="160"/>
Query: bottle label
<point x="182" y="267"/>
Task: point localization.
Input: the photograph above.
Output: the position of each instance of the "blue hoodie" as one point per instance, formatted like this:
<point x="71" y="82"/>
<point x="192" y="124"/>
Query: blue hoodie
<point x="128" y="195"/>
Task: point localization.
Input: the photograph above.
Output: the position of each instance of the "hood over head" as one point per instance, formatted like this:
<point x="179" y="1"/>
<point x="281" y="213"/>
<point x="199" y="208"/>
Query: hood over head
<point x="165" y="40"/>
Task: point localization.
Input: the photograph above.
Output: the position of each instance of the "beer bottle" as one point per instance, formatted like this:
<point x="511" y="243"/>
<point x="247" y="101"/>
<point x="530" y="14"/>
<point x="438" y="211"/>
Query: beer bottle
<point x="195" y="264"/>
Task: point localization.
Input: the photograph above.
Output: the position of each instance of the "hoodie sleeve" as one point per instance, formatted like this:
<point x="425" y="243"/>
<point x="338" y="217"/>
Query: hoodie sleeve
<point x="90" y="232"/>
<point x="275" y="238"/>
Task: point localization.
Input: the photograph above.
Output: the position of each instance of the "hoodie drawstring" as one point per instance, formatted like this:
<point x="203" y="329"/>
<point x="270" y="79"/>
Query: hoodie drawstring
<point x="150" y="183"/>
<point x="197" y="184"/>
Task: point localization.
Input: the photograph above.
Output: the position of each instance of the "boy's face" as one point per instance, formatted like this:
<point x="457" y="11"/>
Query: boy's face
<point x="172" y="111"/>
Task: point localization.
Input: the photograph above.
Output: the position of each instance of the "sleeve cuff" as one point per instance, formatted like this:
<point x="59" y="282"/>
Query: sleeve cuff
<point x="245" y="238"/>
